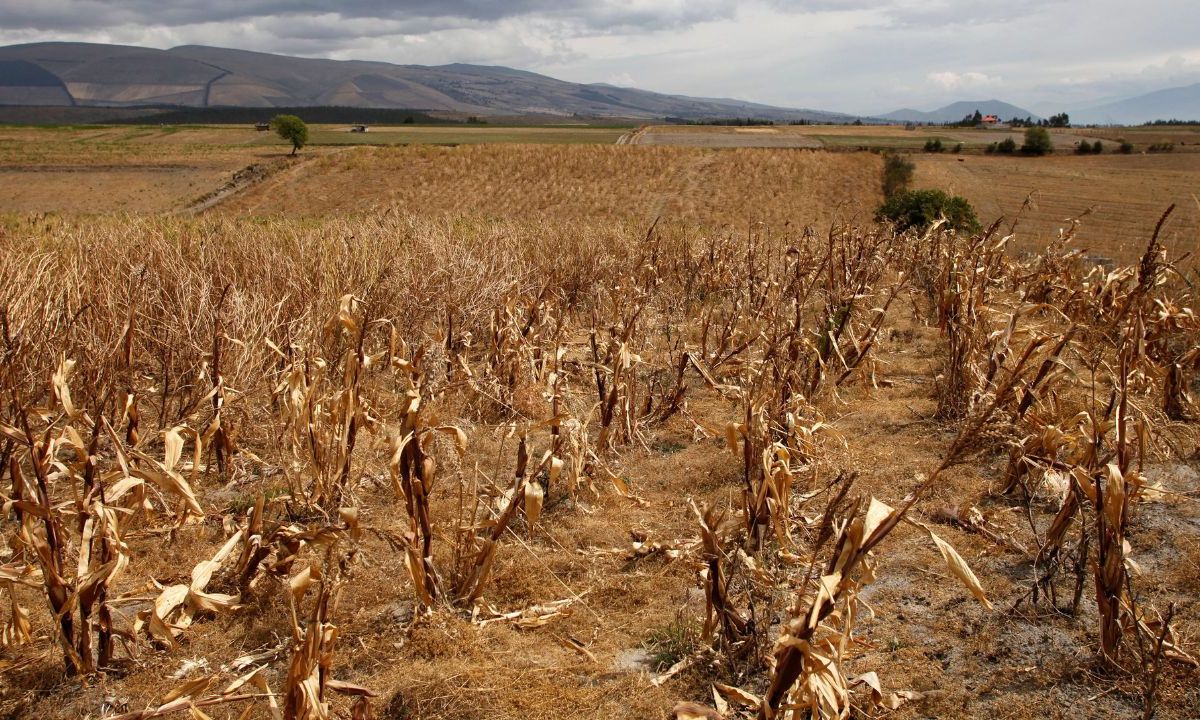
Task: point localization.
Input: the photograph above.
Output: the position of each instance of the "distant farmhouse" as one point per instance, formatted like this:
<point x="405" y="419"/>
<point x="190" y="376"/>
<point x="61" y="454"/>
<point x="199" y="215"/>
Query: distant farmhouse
<point x="990" y="120"/>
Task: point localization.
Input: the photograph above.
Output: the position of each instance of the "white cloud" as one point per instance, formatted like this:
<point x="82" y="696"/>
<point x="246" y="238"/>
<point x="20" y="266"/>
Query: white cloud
<point x="949" y="80"/>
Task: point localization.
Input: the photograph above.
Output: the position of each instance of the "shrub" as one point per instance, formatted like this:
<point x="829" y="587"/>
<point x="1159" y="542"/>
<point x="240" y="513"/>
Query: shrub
<point x="1161" y="147"/>
<point x="1126" y="148"/>
<point x="958" y="148"/>
<point x="1007" y="146"/>
<point x="897" y="174"/>
<point x="1097" y="148"/>
<point x="934" y="146"/>
<point x="921" y="208"/>
<point x="1083" y="148"/>
<point x="991" y="149"/>
<point x="1037" y="142"/>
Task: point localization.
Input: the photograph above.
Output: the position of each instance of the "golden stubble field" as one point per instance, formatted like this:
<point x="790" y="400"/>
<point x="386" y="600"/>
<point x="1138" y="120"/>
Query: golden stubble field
<point x="451" y="433"/>
<point x="1117" y="198"/>
<point x="101" y="170"/>
<point x="616" y="183"/>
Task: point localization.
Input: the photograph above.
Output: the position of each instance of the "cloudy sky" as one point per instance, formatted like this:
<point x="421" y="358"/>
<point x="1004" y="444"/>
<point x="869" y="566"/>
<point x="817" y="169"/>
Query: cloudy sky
<point x="857" y="56"/>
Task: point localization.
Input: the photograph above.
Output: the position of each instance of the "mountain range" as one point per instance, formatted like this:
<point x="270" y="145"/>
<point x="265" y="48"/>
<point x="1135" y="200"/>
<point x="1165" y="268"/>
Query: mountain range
<point x="95" y="75"/>
<point x="1178" y="103"/>
<point x="92" y="75"/>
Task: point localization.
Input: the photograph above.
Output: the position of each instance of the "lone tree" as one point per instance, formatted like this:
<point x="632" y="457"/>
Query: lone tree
<point x="1037" y="142"/>
<point x="292" y="129"/>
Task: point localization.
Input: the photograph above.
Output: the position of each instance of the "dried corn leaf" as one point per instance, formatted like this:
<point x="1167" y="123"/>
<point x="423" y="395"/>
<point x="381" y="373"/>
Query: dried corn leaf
<point x="457" y="433"/>
<point x="959" y="568"/>
<point x="348" y="688"/>
<point x="738" y="695"/>
<point x="694" y="711"/>
<point x="189" y="689"/>
<point x="534" y="495"/>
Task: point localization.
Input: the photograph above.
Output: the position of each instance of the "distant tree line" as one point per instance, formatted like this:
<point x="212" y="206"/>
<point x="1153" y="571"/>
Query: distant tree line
<point x="248" y="116"/>
<point x="730" y="122"/>
<point x="975" y="119"/>
<point x="751" y="122"/>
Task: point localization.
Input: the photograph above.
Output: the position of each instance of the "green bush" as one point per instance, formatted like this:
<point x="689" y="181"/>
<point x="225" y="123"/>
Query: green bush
<point x="918" y="209"/>
<point x="1007" y="146"/>
<point x="933" y="146"/>
<point x="1083" y="148"/>
<point x="1097" y="148"/>
<point x="1037" y="142"/>
<point x="1126" y="148"/>
<point x="897" y="174"/>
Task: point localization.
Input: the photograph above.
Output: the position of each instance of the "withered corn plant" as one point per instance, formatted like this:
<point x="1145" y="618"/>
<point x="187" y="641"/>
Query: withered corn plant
<point x="808" y="657"/>
<point x="73" y="500"/>
<point x="324" y="405"/>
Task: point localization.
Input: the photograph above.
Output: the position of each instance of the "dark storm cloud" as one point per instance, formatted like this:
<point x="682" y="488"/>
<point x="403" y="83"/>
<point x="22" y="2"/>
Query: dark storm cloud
<point x="596" y="15"/>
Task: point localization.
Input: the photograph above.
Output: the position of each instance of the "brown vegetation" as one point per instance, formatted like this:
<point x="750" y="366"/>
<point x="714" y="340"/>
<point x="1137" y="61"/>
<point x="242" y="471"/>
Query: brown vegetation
<point x="307" y="468"/>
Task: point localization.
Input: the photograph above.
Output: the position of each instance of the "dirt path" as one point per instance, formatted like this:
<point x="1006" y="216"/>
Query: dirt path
<point x="243" y="180"/>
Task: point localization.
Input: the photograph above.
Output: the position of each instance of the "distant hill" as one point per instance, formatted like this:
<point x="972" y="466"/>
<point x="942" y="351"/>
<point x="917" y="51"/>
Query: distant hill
<point x="957" y="111"/>
<point x="1178" y="103"/>
<point x="85" y="74"/>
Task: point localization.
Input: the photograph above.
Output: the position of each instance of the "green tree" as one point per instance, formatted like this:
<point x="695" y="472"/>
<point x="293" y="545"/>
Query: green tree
<point x="292" y="129"/>
<point x="897" y="174"/>
<point x="1037" y="142"/>
<point x="918" y="209"/>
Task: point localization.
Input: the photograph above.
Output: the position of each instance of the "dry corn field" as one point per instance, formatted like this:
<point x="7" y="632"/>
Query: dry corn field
<point x="502" y="445"/>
